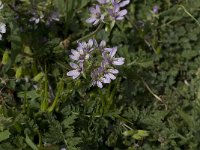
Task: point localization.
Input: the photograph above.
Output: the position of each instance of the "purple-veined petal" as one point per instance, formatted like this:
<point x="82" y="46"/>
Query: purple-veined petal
<point x="111" y="76"/>
<point x="74" y="74"/>
<point x="113" y="71"/>
<point x="124" y="3"/>
<point x="119" y="18"/>
<point x="99" y="84"/>
<point x="107" y="79"/>
<point x="90" y="20"/>
<point x="98" y="9"/>
<point x="103" y="1"/>
<point x="116" y="8"/>
<point x="84" y="44"/>
<point x="90" y="43"/>
<point x="75" y="53"/>
<point x="113" y="2"/>
<point x="113" y="52"/>
<point x="122" y="12"/>
<point x="73" y="65"/>
<point x="108" y="49"/>
<point x="118" y="61"/>
<point x="73" y="57"/>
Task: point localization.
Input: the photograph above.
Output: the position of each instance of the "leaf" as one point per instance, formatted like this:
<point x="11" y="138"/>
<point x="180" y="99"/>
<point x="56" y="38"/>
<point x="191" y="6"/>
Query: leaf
<point x="5" y="58"/>
<point x="4" y="135"/>
<point x="30" y="143"/>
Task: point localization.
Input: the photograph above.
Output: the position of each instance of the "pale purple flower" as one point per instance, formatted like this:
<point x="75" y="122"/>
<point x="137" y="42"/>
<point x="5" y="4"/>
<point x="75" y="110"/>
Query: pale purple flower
<point x="36" y="18"/>
<point x="102" y="66"/>
<point x="103" y="1"/>
<point x="77" y="70"/>
<point x="155" y="9"/>
<point x="119" y="3"/>
<point x="116" y="13"/>
<point x="53" y="16"/>
<point x="96" y="15"/>
<point x="110" y="59"/>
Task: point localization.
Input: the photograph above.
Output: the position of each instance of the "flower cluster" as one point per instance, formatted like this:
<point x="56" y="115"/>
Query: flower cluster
<point x="98" y="60"/>
<point x="48" y="18"/>
<point x="107" y="11"/>
<point x="2" y="25"/>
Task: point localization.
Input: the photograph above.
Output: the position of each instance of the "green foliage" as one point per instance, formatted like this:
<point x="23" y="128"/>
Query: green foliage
<point x="154" y="103"/>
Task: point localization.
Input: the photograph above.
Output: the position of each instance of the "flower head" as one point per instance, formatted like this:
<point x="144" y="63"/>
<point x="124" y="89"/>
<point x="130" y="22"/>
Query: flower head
<point x="96" y="15"/>
<point x="100" y="62"/>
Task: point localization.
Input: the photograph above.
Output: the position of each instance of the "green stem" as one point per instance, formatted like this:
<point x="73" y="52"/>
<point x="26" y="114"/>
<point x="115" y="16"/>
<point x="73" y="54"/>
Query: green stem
<point x="58" y="94"/>
<point x="89" y="35"/>
<point x="189" y="14"/>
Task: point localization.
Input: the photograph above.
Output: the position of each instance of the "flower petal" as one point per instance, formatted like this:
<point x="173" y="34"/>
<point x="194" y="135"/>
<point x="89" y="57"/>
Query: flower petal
<point x="99" y="84"/>
<point x="73" y="65"/>
<point x="90" y="43"/>
<point x="118" y="61"/>
<point x="113" y="71"/>
<point x="103" y="43"/>
<point x="98" y="9"/>
<point x="111" y="76"/>
<point x="106" y="79"/>
<point x="73" y="57"/>
<point x="75" y="53"/>
<point x="91" y="20"/>
<point x="122" y="12"/>
<point x="113" y="52"/>
<point x="119" y="18"/>
<point x="92" y="10"/>
<point x="124" y="3"/>
<point x="74" y="74"/>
